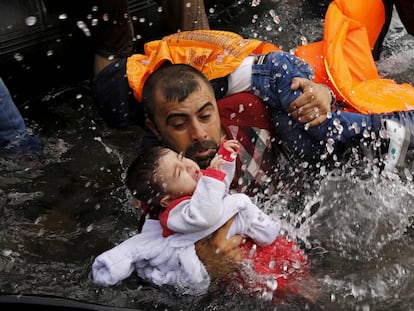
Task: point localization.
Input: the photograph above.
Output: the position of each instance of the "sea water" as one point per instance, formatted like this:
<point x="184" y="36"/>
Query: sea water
<point x="59" y="212"/>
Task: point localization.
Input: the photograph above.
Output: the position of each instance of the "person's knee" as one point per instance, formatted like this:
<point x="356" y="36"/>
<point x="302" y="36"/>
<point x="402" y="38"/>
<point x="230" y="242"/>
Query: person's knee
<point x="100" y="62"/>
<point x="292" y="65"/>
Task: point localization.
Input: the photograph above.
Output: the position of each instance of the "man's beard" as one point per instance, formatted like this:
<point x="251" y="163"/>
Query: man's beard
<point x="193" y="149"/>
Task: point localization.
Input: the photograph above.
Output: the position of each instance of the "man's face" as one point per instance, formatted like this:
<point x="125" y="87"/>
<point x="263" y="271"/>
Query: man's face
<point x="192" y="126"/>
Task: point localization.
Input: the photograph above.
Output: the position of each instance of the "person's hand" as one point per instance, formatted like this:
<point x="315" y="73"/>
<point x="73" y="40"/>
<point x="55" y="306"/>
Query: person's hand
<point x="216" y="162"/>
<point x="219" y="254"/>
<point x="313" y="106"/>
<point x="231" y="145"/>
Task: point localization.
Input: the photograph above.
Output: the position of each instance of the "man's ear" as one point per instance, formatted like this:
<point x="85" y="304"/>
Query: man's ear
<point x="152" y="127"/>
<point x="136" y="203"/>
<point x="166" y="201"/>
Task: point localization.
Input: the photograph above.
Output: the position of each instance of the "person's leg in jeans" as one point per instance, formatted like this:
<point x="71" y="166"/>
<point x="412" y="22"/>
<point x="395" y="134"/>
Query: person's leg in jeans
<point x="11" y="121"/>
<point x="15" y="137"/>
<point x="272" y="75"/>
<point x="114" y="98"/>
<point x="271" y="79"/>
<point x="114" y="43"/>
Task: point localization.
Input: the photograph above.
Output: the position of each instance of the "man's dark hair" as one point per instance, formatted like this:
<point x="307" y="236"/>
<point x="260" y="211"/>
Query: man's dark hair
<point x="140" y="178"/>
<point x="175" y="82"/>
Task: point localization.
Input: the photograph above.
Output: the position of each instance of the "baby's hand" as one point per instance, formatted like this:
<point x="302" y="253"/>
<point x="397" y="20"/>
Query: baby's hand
<point x="216" y="162"/>
<point x="231" y="145"/>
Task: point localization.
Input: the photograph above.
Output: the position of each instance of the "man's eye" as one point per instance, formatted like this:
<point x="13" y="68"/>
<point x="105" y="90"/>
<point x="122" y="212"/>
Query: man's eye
<point x="178" y="125"/>
<point x="205" y="117"/>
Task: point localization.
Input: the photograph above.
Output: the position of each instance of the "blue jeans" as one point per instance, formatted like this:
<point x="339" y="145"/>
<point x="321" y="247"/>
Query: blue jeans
<point x="14" y="135"/>
<point x="271" y="82"/>
<point x="11" y="122"/>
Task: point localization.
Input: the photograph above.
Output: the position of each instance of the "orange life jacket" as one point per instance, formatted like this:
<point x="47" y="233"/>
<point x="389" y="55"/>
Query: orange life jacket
<point x="344" y="61"/>
<point x="215" y="53"/>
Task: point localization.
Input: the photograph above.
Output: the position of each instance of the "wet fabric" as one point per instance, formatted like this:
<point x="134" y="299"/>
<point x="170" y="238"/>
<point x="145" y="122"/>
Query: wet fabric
<point x="272" y="271"/>
<point x="15" y="138"/>
<point x="215" y="53"/>
<point x="344" y="61"/>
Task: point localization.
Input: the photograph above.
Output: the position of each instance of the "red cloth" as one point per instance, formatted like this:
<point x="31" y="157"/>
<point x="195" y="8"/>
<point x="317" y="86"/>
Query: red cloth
<point x="270" y="271"/>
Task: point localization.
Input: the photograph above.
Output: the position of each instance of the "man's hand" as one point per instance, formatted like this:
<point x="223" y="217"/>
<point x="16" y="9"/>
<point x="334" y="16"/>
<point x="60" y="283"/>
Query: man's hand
<point x="219" y="254"/>
<point x="313" y="106"/>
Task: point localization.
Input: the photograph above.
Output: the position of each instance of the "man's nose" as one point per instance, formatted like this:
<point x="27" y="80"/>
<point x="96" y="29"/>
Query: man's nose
<point x="198" y="133"/>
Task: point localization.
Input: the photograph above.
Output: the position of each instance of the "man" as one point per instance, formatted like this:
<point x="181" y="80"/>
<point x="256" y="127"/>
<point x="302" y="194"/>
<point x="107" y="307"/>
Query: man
<point x="119" y="108"/>
<point x="196" y="124"/>
<point x="182" y="113"/>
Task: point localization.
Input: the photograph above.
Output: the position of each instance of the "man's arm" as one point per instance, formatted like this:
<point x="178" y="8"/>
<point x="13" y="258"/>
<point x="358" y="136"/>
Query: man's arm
<point x="219" y="254"/>
<point x="313" y="106"/>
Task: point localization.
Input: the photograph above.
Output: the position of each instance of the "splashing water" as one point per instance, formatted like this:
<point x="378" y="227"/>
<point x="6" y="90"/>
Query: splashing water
<point x="354" y="225"/>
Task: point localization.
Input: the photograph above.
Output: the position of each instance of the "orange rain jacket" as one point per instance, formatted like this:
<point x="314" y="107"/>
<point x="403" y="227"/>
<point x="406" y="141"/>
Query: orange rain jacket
<point x="344" y="61"/>
<point x="215" y="53"/>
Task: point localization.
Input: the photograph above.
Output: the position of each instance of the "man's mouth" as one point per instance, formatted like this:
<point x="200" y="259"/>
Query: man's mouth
<point x="202" y="152"/>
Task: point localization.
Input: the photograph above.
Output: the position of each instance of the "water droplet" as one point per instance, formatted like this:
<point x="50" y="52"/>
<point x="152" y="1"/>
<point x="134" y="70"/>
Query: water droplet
<point x="255" y="3"/>
<point x="303" y="40"/>
<point x="252" y="250"/>
<point x="271" y="284"/>
<point x="6" y="252"/>
<point x="31" y="20"/>
<point x="19" y="57"/>
<point x="82" y="26"/>
<point x="41" y="232"/>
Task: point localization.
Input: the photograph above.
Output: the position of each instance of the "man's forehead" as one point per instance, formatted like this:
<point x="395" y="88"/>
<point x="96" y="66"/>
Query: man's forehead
<point x="193" y="104"/>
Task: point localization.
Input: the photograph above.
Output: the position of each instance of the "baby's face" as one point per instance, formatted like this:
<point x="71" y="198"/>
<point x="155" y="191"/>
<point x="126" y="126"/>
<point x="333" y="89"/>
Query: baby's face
<point x="177" y="175"/>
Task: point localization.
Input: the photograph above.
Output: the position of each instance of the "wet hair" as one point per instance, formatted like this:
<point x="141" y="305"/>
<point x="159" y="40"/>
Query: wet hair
<point x="140" y="179"/>
<point x="175" y="82"/>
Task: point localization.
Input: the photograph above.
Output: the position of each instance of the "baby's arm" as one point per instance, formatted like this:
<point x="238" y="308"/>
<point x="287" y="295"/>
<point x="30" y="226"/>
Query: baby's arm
<point x="252" y="222"/>
<point x="225" y="160"/>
